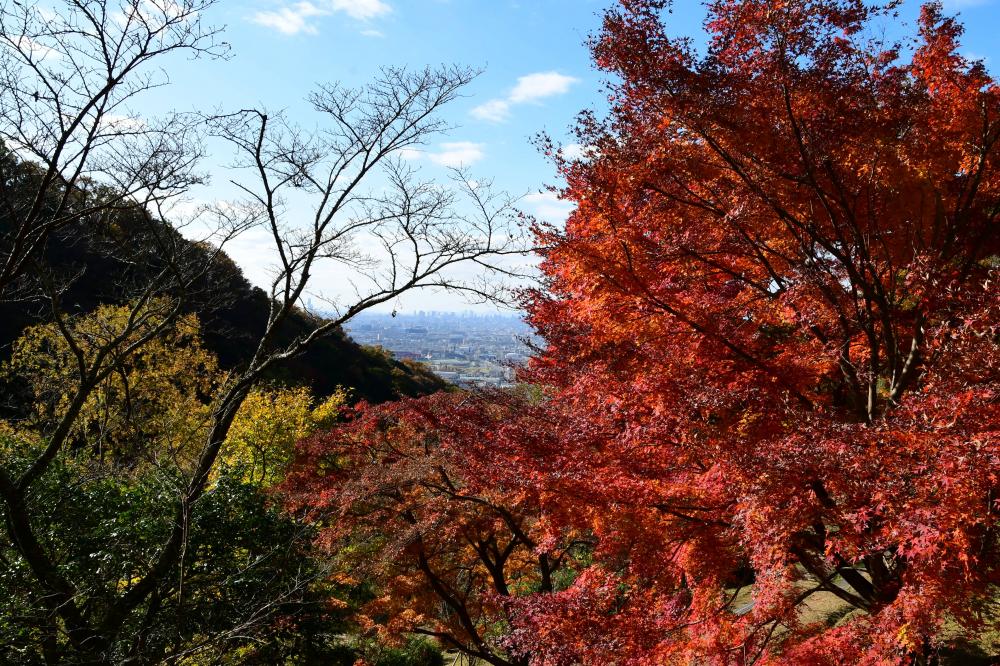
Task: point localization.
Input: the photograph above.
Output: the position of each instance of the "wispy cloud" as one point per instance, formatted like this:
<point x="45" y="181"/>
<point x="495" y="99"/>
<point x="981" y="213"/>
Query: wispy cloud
<point x="452" y="154"/>
<point x="30" y="48"/>
<point x="577" y="151"/>
<point x="495" y="110"/>
<point x="290" y="20"/>
<point x="457" y="154"/>
<point x="112" y="122"/>
<point x="548" y="206"/>
<point x="529" y="89"/>
<point x="362" y="10"/>
<point x="300" y="16"/>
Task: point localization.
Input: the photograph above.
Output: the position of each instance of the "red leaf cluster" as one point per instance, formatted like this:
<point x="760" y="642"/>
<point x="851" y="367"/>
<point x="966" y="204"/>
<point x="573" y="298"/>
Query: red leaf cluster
<point x="423" y="501"/>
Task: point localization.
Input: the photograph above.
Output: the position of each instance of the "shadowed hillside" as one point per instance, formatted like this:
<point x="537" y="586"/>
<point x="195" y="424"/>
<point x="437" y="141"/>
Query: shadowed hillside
<point x="110" y="261"/>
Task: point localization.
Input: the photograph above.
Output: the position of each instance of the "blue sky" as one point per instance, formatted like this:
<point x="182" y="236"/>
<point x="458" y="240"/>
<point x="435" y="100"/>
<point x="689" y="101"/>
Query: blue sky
<point x="537" y="75"/>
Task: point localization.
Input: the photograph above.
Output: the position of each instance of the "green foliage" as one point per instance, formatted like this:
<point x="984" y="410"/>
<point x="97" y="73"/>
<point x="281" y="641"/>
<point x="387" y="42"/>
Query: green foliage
<point x="416" y="653"/>
<point x="246" y="574"/>
<point x="344" y="651"/>
<point x="248" y="588"/>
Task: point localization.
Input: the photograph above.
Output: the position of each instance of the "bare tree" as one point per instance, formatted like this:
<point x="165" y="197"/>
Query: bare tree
<point x="415" y="227"/>
<point x="68" y="77"/>
<point x="341" y="195"/>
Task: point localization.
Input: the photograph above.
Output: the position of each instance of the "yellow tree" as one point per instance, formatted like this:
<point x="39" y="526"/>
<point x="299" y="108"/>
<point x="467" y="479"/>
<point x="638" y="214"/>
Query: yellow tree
<point x="152" y="406"/>
<point x="156" y="403"/>
<point x="271" y="420"/>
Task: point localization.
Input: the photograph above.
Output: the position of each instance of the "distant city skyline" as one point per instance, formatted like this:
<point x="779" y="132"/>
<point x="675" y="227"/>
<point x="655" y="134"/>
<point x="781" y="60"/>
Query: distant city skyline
<point x="466" y="349"/>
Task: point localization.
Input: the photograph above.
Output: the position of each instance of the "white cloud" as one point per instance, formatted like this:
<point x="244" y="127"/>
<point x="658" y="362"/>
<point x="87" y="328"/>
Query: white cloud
<point x="361" y="10"/>
<point x="154" y="13"/>
<point x="576" y="151"/>
<point x="534" y="87"/>
<point x="531" y="88"/>
<point x="112" y="122"/>
<point x="410" y="153"/>
<point x="167" y="9"/>
<point x="295" y="18"/>
<point x="549" y="207"/>
<point x="373" y="33"/>
<point x="450" y="154"/>
<point x="254" y="252"/>
<point x="495" y="110"/>
<point x="47" y="14"/>
<point x="457" y="154"/>
<point x="30" y="48"/>
<point x="290" y="20"/>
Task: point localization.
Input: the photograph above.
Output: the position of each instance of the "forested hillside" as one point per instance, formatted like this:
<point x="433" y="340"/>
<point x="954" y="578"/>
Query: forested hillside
<point x="151" y="398"/>
<point x="103" y="262"/>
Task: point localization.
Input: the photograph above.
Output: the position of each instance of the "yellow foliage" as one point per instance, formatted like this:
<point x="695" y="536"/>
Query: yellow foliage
<point x="16" y="439"/>
<point x="154" y="403"/>
<point x="271" y="420"/>
<point x="157" y="403"/>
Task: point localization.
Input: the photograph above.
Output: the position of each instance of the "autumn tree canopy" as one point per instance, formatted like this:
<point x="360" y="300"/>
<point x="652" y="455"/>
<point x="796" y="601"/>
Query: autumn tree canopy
<point x="414" y="499"/>
<point x="773" y="345"/>
<point x="779" y="286"/>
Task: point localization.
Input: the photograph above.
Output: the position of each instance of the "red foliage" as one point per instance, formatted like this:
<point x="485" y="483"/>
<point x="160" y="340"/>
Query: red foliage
<point x="778" y="293"/>
<point x="773" y="350"/>
<point x="421" y="500"/>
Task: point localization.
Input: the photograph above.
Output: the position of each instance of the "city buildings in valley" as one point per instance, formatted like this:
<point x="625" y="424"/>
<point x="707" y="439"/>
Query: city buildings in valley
<point x="464" y="348"/>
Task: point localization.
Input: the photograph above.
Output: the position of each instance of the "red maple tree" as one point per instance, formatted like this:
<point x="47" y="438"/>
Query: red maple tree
<point x="780" y="285"/>
<point x="772" y="362"/>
